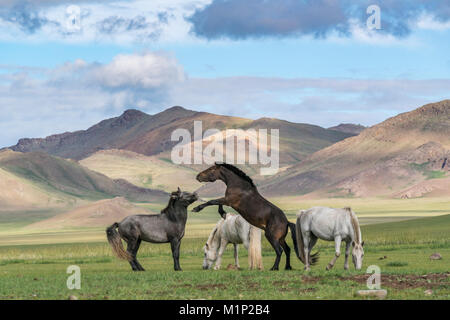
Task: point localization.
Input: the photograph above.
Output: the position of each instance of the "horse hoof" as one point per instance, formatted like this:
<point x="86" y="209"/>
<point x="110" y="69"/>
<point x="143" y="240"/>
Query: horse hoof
<point x="288" y="268"/>
<point x="329" y="267"/>
<point x="273" y="269"/>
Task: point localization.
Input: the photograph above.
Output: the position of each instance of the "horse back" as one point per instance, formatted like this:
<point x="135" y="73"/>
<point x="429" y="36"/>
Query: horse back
<point x="325" y="222"/>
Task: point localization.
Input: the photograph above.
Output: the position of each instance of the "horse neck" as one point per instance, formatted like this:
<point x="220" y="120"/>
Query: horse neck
<point x="214" y="240"/>
<point x="232" y="180"/>
<point x="177" y="212"/>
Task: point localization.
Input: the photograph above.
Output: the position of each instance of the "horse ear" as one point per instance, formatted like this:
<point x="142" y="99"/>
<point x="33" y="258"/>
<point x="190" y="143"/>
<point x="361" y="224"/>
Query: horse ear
<point x="362" y="244"/>
<point x="353" y="243"/>
<point x="179" y="191"/>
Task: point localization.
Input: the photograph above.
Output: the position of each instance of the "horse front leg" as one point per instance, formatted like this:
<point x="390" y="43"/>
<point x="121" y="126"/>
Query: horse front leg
<point x="132" y="248"/>
<point x="223" y="246"/>
<point x="337" y="245"/>
<point x="175" y="246"/>
<point x="236" y="258"/>
<point x="347" y="252"/>
<point x="214" y="202"/>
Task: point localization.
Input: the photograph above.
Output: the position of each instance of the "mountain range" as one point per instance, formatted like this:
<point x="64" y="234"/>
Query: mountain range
<point x="129" y="157"/>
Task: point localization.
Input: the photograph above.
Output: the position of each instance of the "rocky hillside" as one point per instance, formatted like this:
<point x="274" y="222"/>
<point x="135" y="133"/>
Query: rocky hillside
<point x="108" y="134"/>
<point x="412" y="145"/>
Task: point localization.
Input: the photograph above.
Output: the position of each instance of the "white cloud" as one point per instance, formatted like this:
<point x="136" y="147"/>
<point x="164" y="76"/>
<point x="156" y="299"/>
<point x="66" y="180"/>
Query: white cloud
<point x="149" y="70"/>
<point x="429" y="22"/>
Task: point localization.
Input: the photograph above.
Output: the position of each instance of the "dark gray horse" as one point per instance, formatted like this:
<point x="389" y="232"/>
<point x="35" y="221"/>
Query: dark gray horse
<point x="168" y="226"/>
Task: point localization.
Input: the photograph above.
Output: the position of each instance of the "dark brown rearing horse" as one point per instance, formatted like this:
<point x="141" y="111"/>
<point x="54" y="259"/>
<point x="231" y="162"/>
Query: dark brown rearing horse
<point x="242" y="196"/>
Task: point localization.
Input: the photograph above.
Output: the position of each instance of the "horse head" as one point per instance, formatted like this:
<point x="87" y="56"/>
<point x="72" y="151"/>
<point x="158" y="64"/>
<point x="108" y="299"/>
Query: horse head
<point x="210" y="250"/>
<point x="210" y="256"/>
<point x="357" y="254"/>
<point x="186" y="198"/>
<point x="209" y="175"/>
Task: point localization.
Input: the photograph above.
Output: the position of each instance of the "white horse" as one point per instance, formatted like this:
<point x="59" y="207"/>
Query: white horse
<point x="236" y="230"/>
<point x="330" y="224"/>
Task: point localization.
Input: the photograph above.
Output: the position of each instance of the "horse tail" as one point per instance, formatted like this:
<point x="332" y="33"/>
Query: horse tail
<point x="254" y="249"/>
<point x="314" y="258"/>
<point x="222" y="212"/>
<point x="116" y="242"/>
<point x="295" y="241"/>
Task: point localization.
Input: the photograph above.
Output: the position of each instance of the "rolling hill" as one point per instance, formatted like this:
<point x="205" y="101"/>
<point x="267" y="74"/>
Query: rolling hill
<point x="143" y="171"/>
<point x="42" y="178"/>
<point x="382" y="160"/>
<point x="97" y="214"/>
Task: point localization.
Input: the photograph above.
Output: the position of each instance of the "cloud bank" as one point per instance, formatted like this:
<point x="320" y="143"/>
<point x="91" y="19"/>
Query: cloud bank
<point x="171" y="20"/>
<point x="238" y="19"/>
<point x="36" y="102"/>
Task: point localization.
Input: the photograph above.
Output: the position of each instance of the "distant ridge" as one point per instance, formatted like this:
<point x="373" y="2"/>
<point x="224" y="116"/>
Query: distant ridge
<point x="150" y="135"/>
<point x="348" y="128"/>
<point x="108" y="134"/>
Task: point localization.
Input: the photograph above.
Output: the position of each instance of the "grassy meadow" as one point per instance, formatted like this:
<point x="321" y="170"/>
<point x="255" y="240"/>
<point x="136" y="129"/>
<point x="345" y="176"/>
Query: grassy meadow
<point x="400" y="235"/>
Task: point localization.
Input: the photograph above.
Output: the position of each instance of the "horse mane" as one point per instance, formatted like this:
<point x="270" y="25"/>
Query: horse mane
<point x="238" y="172"/>
<point x="170" y="205"/>
<point x="213" y="234"/>
<point x="355" y="225"/>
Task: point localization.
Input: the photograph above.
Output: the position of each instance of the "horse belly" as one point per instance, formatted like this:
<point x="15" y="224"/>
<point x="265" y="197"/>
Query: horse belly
<point x="154" y="238"/>
<point x="234" y="239"/>
<point x="323" y="227"/>
<point x="153" y="233"/>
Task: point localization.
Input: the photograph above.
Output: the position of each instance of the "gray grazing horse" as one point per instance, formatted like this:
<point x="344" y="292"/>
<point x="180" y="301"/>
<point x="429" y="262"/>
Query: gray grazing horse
<point x="233" y="229"/>
<point x="166" y="227"/>
<point x="330" y="224"/>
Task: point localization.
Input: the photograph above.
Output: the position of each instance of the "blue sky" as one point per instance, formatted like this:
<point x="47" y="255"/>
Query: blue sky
<point x="299" y="60"/>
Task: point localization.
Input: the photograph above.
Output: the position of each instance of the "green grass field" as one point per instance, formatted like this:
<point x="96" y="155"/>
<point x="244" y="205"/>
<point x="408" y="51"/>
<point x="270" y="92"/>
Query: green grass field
<point x="33" y="266"/>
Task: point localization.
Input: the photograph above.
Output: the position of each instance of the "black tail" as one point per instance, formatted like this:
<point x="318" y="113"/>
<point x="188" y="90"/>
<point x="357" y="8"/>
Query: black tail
<point x="222" y="212"/>
<point x="294" y="239"/>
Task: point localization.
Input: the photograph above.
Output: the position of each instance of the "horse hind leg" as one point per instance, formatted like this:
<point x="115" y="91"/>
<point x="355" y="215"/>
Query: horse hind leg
<point x="275" y="243"/>
<point x="287" y="251"/>
<point x="306" y="245"/>
<point x="132" y="248"/>
<point x="312" y="243"/>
